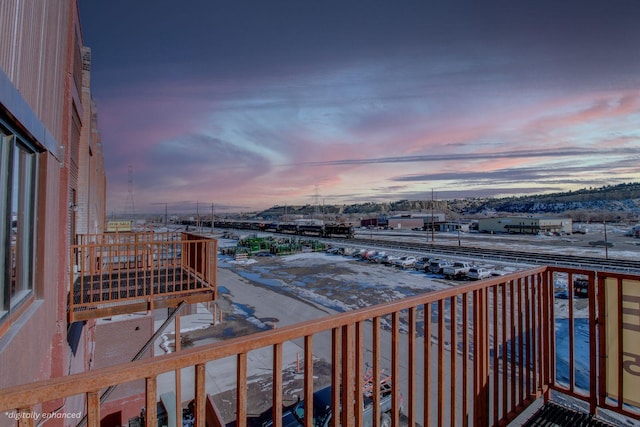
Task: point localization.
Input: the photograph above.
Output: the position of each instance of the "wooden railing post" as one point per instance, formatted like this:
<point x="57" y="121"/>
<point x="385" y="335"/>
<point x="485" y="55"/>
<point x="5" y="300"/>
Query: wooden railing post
<point x="359" y="373"/>
<point x="375" y="356"/>
<point x="427" y="365"/>
<point x="395" y="368"/>
<point x="347" y="375"/>
<point x="93" y="409"/>
<point x="308" y="380"/>
<point x="151" y="414"/>
<point x="480" y="359"/>
<point x="26" y="417"/>
<point x="593" y="344"/>
<point x="200" y="395"/>
<point x="241" y="390"/>
<point x="277" y="385"/>
<point x="411" y="387"/>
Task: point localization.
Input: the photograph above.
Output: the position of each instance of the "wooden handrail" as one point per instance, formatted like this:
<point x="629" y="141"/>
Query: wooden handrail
<point x="476" y="327"/>
<point x="31" y="394"/>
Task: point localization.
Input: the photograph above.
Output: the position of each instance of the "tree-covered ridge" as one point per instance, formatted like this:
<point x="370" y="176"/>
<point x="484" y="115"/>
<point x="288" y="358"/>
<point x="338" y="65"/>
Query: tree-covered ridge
<point x="579" y="204"/>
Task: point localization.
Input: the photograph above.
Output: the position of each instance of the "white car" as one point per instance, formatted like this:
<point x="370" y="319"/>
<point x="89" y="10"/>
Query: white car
<point x="388" y="259"/>
<point x="478" y="273"/>
<point x="405" y="262"/>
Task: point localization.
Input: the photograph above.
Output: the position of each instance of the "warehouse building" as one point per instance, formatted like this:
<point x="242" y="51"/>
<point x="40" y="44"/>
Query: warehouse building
<point x="410" y="221"/>
<point x="525" y="225"/>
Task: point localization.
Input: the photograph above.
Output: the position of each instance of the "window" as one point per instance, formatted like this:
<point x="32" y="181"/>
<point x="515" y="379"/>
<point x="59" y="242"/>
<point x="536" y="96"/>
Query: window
<point x="18" y="165"/>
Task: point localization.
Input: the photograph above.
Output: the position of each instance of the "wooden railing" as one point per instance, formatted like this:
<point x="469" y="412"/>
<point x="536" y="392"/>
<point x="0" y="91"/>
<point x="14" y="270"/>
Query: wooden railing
<point x="476" y="354"/>
<point x="125" y="272"/>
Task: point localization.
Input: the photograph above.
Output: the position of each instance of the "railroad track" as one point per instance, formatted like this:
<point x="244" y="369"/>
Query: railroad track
<point x="526" y="257"/>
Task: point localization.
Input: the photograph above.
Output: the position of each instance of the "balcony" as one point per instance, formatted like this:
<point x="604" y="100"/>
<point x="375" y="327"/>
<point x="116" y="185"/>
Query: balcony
<point x="117" y="273"/>
<point x="493" y="348"/>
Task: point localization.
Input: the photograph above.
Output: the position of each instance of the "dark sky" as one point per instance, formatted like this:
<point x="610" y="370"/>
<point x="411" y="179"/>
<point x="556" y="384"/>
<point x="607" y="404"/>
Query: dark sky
<point x="247" y="104"/>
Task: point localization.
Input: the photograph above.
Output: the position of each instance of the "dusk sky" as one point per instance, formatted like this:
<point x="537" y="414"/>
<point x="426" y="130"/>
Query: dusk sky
<point x="250" y="104"/>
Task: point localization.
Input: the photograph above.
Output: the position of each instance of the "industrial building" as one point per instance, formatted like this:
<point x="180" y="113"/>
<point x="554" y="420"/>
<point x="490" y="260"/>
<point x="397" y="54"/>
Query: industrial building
<point x="525" y="225"/>
<point x="410" y="221"/>
<point x="454" y="226"/>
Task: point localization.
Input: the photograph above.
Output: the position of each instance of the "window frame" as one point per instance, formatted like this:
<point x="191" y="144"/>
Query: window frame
<point x="19" y="169"/>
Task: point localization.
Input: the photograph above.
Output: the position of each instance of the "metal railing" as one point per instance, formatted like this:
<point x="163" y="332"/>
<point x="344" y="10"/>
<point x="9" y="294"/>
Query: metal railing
<point x="476" y="354"/>
<point x="118" y="270"/>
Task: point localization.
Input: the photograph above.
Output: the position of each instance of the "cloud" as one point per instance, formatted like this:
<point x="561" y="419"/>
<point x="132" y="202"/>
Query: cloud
<point x="255" y="104"/>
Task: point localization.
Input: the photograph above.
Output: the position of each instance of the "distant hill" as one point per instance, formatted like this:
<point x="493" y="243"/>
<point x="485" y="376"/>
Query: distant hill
<point x="620" y="200"/>
<point x="611" y="203"/>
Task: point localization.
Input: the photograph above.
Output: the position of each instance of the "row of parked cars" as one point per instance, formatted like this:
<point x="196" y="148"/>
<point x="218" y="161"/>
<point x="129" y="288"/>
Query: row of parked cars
<point x="449" y="269"/>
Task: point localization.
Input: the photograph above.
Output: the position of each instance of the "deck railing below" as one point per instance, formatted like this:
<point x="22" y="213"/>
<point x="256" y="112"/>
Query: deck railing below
<point x="476" y="354"/>
<point x="126" y="272"/>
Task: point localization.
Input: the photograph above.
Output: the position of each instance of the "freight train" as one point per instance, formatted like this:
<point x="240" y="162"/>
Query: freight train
<point x="301" y="229"/>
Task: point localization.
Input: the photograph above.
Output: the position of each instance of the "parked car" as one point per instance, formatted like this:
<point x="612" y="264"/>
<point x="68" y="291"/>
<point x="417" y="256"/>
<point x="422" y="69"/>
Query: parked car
<point x="369" y="254"/>
<point x="437" y="265"/>
<point x="263" y="254"/>
<point x="405" y="262"/>
<point x="458" y="270"/>
<point x="358" y="253"/>
<point x="378" y="257"/>
<point x="388" y="259"/>
<point x="422" y="263"/>
<point x="478" y="273"/>
<point x="347" y="251"/>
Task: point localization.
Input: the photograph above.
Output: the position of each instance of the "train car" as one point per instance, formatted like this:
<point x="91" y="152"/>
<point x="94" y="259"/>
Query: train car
<point x="272" y="226"/>
<point x="288" y="228"/>
<point x="311" y="229"/>
<point x="339" y="230"/>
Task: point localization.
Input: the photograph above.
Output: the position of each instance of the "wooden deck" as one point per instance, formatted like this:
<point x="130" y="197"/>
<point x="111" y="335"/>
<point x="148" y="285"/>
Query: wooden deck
<point x="135" y="290"/>
<point x="129" y="273"/>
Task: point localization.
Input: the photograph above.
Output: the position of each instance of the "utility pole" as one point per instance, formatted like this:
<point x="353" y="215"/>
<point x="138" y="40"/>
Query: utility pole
<point x="606" y="243"/>
<point x="130" y="210"/>
<point x="212" y="218"/>
<point x="316" y="202"/>
<point x="198" y="217"/>
<point x="433" y="221"/>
